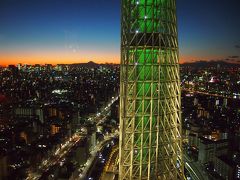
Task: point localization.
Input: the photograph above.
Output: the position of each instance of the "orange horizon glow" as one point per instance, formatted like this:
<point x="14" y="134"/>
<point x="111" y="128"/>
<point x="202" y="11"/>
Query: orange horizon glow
<point x="65" y="57"/>
<point x="189" y="59"/>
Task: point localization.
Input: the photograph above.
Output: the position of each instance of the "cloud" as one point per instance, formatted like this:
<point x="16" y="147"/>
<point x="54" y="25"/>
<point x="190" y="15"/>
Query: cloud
<point x="237" y="46"/>
<point x="236" y="60"/>
<point x="231" y="60"/>
<point x="233" y="57"/>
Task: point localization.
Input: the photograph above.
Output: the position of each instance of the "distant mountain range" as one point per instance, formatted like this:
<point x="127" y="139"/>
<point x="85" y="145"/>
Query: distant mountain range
<point x="197" y="64"/>
<point x="202" y="64"/>
<point x="89" y="64"/>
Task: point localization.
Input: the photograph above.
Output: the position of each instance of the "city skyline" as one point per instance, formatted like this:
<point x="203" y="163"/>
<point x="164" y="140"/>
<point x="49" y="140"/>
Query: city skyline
<point x="34" y="33"/>
<point x="89" y="92"/>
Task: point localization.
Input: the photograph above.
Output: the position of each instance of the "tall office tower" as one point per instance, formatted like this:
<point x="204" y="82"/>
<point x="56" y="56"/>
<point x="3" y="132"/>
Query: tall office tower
<point x="150" y="123"/>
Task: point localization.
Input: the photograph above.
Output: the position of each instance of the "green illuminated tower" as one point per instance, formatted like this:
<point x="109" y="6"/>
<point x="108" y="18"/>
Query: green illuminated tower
<point x="150" y="123"/>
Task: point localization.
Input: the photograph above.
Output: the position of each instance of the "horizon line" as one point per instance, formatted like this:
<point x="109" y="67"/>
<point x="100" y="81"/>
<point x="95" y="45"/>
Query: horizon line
<point x="112" y="63"/>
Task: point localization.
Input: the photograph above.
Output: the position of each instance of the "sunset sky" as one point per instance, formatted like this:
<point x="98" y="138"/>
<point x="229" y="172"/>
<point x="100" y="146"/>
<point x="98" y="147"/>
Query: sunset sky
<point x="75" y="31"/>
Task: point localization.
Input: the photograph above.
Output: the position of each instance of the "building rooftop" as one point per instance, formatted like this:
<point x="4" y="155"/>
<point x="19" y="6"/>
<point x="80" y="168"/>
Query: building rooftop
<point x="205" y="140"/>
<point x="228" y="160"/>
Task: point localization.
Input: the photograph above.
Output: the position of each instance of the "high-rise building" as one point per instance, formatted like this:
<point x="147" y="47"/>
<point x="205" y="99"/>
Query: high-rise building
<point x="150" y="120"/>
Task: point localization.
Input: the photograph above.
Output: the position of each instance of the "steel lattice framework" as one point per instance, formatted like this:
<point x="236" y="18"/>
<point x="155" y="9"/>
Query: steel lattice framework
<point x="150" y="123"/>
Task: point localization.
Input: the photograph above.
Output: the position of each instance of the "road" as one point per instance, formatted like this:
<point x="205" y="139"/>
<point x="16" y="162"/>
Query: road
<point x="101" y="116"/>
<point x="93" y="157"/>
<point x="109" y="176"/>
<point x="196" y="172"/>
<point x="55" y="158"/>
<point x="208" y="94"/>
<point x="65" y="147"/>
<point x="111" y="167"/>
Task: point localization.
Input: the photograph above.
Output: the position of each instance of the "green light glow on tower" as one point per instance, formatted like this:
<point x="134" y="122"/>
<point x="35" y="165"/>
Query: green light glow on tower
<point x="150" y="123"/>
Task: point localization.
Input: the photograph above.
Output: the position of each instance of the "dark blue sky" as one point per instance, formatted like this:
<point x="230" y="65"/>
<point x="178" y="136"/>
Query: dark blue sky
<point x="209" y="28"/>
<point x="80" y="30"/>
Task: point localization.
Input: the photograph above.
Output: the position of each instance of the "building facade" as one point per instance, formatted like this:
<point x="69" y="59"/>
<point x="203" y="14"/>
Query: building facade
<point x="208" y="149"/>
<point x="224" y="167"/>
<point x="150" y="123"/>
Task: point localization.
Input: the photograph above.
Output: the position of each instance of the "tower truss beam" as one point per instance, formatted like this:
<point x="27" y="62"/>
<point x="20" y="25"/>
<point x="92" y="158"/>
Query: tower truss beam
<point x="150" y="108"/>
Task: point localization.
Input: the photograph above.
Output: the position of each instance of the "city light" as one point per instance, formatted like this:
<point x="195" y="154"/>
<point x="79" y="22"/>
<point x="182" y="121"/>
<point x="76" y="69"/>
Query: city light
<point x="165" y="105"/>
